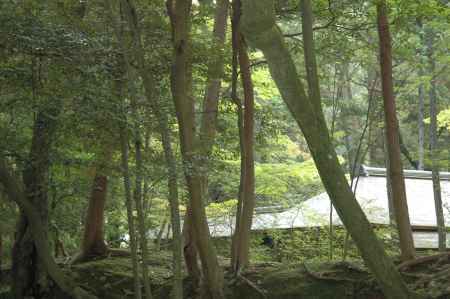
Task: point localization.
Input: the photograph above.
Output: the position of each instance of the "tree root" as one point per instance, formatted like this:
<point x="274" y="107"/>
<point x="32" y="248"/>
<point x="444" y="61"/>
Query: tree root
<point x="253" y="285"/>
<point x="422" y="260"/>
<point x="323" y="275"/>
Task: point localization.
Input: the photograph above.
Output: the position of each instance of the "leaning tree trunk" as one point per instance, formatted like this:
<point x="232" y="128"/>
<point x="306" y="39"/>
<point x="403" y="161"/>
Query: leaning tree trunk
<point x="392" y="138"/>
<point x="260" y="29"/>
<point x="433" y="146"/>
<point x="37" y="229"/>
<point x="28" y="273"/>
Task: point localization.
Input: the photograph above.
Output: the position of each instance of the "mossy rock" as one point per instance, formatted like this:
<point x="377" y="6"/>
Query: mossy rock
<point x="112" y="277"/>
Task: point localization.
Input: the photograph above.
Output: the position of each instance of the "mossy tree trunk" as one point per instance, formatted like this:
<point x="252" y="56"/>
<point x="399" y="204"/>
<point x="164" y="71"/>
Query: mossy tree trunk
<point x="259" y="27"/>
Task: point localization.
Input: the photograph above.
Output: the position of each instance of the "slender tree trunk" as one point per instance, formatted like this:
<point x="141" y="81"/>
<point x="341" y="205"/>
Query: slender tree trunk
<point x="235" y="40"/>
<point x="140" y="211"/>
<point x="309" y="55"/>
<point x="129" y="206"/>
<point x="209" y="118"/>
<point x="247" y="204"/>
<point x="390" y="197"/>
<point x="1" y="246"/>
<point x="259" y="27"/>
<point x="163" y="128"/>
<point x="433" y="146"/>
<point x="184" y="106"/>
<point x="28" y="271"/>
<point x="393" y="138"/>
<point x="421" y="125"/>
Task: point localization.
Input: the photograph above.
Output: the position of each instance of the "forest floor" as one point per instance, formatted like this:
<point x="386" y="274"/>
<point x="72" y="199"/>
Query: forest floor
<point x="111" y="278"/>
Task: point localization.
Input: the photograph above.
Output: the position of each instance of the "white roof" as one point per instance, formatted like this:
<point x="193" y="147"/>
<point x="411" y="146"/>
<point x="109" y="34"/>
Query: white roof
<point x="371" y="194"/>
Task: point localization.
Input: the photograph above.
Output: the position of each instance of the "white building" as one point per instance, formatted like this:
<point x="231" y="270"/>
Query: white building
<point x="372" y="195"/>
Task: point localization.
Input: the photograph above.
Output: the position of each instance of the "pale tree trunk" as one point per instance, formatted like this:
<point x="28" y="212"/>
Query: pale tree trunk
<point x="247" y="197"/>
<point x="433" y="145"/>
<point x="163" y="129"/>
<point x="260" y="29"/>
<point x="138" y="202"/>
<point x="392" y="137"/>
<point x="184" y="106"/>
<point x="208" y="124"/>
<point x="129" y="206"/>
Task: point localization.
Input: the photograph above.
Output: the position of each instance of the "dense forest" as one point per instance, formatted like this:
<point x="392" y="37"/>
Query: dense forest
<point x="142" y="142"/>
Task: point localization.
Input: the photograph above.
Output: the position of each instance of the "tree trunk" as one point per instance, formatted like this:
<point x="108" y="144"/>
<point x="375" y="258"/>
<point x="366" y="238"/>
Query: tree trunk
<point x="184" y="106"/>
<point x="393" y="138"/>
<point x="260" y="29"/>
<point x="93" y="238"/>
<point x="28" y="272"/>
<point x="247" y="204"/>
<point x="421" y="125"/>
<point x="240" y="126"/>
<point x="38" y="233"/>
<point x="209" y="118"/>
<point x="433" y="146"/>
<point x="163" y="128"/>
<point x="129" y="205"/>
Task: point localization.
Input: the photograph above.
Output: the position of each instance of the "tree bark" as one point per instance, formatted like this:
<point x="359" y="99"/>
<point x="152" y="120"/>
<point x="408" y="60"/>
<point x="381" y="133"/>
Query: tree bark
<point x="208" y="121"/>
<point x="28" y="272"/>
<point x="247" y="203"/>
<point x="129" y="206"/>
<point x="259" y="27"/>
<point x="38" y="233"/>
<point x="93" y="238"/>
<point x="421" y="126"/>
<point x="163" y="129"/>
<point x="184" y="106"/>
<point x="309" y="55"/>
<point x="236" y="35"/>
<point x="433" y="146"/>
<point x="393" y="138"/>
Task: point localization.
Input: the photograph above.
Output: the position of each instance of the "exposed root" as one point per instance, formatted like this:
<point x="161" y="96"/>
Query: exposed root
<point x="422" y="260"/>
<point x="253" y="285"/>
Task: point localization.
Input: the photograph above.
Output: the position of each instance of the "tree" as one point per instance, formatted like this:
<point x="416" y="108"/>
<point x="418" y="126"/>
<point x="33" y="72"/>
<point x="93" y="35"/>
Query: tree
<point x="184" y="106"/>
<point x="442" y="234"/>
<point x="244" y="217"/>
<point x="259" y="28"/>
<point x="29" y="275"/>
<point x="395" y="168"/>
<point x="16" y="193"/>
<point x="163" y="128"/>
<point x="93" y="243"/>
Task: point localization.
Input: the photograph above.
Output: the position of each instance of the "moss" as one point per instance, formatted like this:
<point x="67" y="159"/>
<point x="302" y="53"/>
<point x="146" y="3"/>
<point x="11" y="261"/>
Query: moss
<point x="112" y="277"/>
